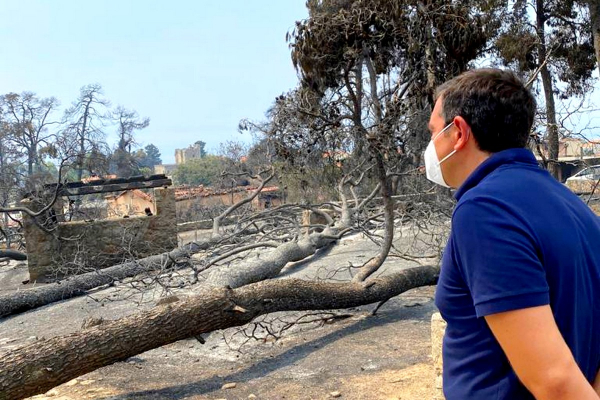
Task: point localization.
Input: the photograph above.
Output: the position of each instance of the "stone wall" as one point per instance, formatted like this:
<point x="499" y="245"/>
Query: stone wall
<point x="191" y="209"/>
<point x="82" y="246"/>
<point x="202" y="225"/>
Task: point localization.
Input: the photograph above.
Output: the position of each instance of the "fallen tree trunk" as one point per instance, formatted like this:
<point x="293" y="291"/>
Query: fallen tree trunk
<point x="45" y="364"/>
<point x="13" y="255"/>
<point x="78" y="285"/>
<point x="270" y="265"/>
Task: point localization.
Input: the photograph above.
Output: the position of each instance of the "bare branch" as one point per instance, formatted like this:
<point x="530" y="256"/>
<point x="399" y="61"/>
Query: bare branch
<point x="217" y="221"/>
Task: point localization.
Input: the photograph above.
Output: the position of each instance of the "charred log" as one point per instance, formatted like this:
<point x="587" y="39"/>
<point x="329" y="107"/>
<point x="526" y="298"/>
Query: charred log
<point x="78" y="285"/>
<point x="45" y="364"/>
<point x="13" y="255"/>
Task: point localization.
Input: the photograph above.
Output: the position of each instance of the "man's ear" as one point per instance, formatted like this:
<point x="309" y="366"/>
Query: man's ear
<point x="463" y="132"/>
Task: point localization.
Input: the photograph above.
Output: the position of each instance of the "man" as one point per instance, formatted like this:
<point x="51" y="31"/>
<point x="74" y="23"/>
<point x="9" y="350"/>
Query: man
<point x="520" y="278"/>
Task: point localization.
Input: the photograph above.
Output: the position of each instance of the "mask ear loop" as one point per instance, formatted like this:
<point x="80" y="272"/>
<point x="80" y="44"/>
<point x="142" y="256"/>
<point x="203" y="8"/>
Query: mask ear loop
<point x="447" y="157"/>
<point x="442" y="131"/>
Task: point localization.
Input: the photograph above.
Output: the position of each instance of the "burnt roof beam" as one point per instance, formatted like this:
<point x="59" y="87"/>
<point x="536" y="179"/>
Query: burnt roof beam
<point x="114" y="187"/>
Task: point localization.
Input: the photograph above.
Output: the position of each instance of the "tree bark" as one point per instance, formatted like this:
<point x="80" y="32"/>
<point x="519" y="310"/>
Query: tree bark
<point x="82" y="137"/>
<point x="13" y="255"/>
<point x="270" y="266"/>
<point x="45" y="364"/>
<point x="371" y="266"/>
<point x="80" y="158"/>
<point x="552" y="127"/>
<point x="30" y="162"/>
<point x="78" y="285"/>
<point x="594" y="7"/>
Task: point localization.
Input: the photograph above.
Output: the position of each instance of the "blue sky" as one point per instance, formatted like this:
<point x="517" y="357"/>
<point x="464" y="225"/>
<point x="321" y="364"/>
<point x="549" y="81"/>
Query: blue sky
<point x="195" y="68"/>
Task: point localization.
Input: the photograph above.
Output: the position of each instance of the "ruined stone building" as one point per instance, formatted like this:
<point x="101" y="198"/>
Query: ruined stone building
<point x="194" y="151"/>
<point x="144" y="224"/>
<point x="190" y="200"/>
<point x="182" y="156"/>
<point x="130" y="203"/>
<point x="165" y="169"/>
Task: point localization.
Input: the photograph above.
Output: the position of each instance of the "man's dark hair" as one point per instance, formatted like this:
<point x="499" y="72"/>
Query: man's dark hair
<point x="496" y="105"/>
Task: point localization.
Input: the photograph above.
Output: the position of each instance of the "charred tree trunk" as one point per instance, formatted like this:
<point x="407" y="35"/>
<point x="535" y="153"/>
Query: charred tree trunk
<point x="552" y="127"/>
<point x="81" y="158"/>
<point x="13" y="255"/>
<point x="82" y="138"/>
<point x="31" y="157"/>
<point x="270" y="266"/>
<point x="78" y="285"/>
<point x="595" y="19"/>
<point x="47" y="363"/>
<point x="374" y="263"/>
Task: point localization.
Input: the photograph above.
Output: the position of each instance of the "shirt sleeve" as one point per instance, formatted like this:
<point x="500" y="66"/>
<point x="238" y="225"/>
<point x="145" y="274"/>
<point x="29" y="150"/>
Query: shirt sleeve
<point x="498" y="258"/>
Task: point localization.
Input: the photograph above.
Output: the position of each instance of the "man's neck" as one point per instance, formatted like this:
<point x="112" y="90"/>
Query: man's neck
<point x="468" y="165"/>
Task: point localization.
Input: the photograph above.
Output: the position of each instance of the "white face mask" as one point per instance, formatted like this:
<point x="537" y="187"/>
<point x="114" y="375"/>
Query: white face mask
<point x="432" y="164"/>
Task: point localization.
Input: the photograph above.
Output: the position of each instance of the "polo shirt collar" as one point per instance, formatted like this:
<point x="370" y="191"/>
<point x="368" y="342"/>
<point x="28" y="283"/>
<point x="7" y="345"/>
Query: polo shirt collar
<point x="509" y="156"/>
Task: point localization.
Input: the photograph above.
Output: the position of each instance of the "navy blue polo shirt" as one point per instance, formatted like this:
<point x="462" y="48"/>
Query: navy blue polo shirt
<point x="519" y="239"/>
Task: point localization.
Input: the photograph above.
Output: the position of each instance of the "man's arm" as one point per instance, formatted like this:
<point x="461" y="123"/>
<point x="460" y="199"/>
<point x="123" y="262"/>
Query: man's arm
<point x="539" y="355"/>
<point x="596" y="384"/>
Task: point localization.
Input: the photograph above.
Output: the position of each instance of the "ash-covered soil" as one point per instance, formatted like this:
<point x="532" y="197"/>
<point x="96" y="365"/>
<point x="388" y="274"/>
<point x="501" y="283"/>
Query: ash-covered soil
<point x="360" y="356"/>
